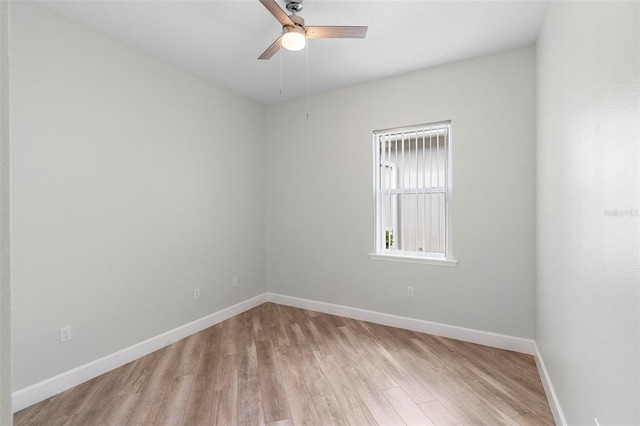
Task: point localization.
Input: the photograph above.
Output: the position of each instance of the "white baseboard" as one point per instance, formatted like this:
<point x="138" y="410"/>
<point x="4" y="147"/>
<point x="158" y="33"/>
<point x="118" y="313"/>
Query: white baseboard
<point x="40" y="391"/>
<point x="554" y="404"/>
<point x="486" y="338"/>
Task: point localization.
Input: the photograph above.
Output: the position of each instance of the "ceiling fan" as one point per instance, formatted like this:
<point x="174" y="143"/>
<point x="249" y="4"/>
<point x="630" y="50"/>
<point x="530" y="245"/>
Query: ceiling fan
<point x="295" y="33"/>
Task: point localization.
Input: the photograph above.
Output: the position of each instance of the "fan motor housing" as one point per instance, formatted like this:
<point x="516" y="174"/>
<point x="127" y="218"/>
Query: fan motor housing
<point x="297" y="20"/>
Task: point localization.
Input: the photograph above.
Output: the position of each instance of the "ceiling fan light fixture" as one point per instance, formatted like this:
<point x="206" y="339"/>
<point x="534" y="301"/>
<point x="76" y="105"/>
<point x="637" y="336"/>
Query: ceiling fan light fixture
<point x="294" y="32"/>
<point x="294" y="38"/>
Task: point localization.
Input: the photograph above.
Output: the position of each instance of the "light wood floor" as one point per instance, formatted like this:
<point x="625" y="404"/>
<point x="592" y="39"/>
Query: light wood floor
<point x="280" y="365"/>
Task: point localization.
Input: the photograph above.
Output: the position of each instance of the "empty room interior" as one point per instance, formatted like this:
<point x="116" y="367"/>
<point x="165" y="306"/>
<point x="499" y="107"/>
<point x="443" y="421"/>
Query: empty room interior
<point x="426" y="213"/>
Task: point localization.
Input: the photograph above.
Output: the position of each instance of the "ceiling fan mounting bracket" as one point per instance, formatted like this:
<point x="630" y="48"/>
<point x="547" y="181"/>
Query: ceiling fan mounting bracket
<point x="294" y="6"/>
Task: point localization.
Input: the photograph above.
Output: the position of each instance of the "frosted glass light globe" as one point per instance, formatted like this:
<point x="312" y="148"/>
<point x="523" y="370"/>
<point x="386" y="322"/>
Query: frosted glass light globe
<point x="294" y="39"/>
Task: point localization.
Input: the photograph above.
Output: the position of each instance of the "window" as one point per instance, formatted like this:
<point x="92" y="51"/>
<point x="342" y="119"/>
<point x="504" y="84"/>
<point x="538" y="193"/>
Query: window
<point x="412" y="188"/>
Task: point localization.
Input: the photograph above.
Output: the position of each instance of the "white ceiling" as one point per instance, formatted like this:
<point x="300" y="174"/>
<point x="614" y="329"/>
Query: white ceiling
<point x="221" y="40"/>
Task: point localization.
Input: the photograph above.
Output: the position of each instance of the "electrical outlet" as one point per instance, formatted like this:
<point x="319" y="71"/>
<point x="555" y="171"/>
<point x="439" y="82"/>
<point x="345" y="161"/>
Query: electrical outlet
<point x="196" y="293"/>
<point x="409" y="291"/>
<point x="235" y="281"/>
<point x="65" y="333"/>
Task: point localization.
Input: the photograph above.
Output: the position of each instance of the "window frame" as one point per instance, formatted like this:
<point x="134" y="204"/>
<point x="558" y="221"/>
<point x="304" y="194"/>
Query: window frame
<point x="381" y="252"/>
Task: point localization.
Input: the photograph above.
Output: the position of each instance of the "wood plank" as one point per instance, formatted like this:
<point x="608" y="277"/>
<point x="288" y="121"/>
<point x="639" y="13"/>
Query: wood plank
<point x="526" y="391"/>
<point x="225" y="395"/>
<point x="282" y="339"/>
<point x="457" y="390"/>
<point x="491" y="391"/>
<point x="302" y="407"/>
<point x="354" y="408"/>
<point x="326" y="403"/>
<point x="226" y="407"/>
<point x="314" y="337"/>
<point x="411" y="414"/>
<point x="325" y="332"/>
<point x="199" y="410"/>
<point x="275" y="403"/>
<point x="175" y="402"/>
<point x="456" y="404"/>
<point x="143" y="369"/>
<point x="285" y="422"/>
<point x="71" y="401"/>
<point x="401" y="374"/>
<point x="286" y="314"/>
<point x="295" y="334"/>
<point x="373" y="398"/>
<point x="267" y="318"/>
<point x="256" y="319"/>
<point x="308" y="362"/>
<point x="334" y="321"/>
<point x="438" y="414"/>
<point x="162" y="375"/>
<point x="290" y="315"/>
<point x="310" y="314"/>
<point x="146" y="409"/>
<point x="360" y="345"/>
<point x="229" y="338"/>
<point x="187" y="360"/>
<point x="205" y="373"/>
<point x="89" y="416"/>
<point x="249" y="393"/>
<point x="427" y="354"/>
<point x="62" y="421"/>
<point x="529" y="419"/>
<point x="92" y="410"/>
<point x="31" y="414"/>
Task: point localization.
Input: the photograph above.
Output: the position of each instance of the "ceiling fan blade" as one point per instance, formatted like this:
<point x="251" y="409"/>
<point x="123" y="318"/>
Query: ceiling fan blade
<point x="276" y="11"/>
<point x="336" y="32"/>
<point x="271" y="50"/>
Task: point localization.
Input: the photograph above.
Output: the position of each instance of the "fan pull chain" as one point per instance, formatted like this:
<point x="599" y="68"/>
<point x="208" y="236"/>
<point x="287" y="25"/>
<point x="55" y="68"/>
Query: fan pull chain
<point x="306" y="52"/>
<point x="280" y="55"/>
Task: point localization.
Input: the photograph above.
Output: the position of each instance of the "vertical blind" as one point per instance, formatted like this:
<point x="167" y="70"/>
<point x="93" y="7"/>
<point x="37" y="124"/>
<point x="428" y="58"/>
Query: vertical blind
<point x="412" y="190"/>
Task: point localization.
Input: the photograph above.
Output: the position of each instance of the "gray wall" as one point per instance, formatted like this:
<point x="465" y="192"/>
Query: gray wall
<point x="5" y="276"/>
<point x="587" y="167"/>
<point x="320" y="195"/>
<point x="133" y="183"/>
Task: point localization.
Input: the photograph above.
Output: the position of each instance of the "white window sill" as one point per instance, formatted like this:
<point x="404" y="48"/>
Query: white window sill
<point x="413" y="259"/>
